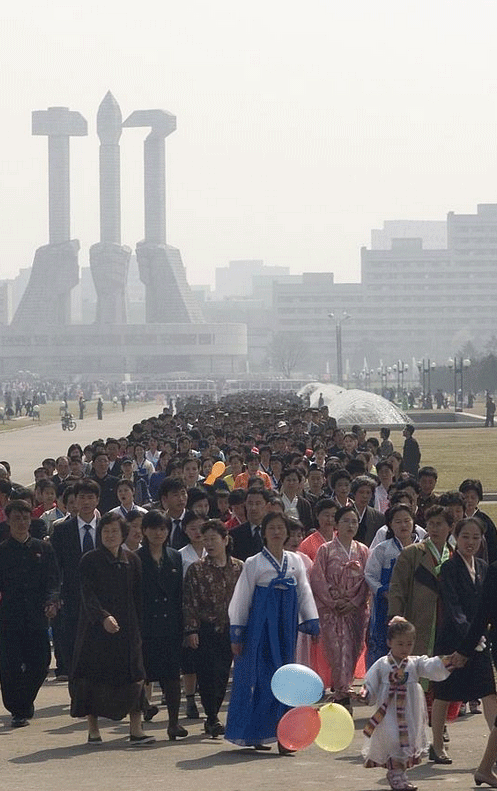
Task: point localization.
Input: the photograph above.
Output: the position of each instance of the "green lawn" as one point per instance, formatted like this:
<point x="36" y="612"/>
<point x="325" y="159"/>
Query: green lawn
<point x="457" y="453"/>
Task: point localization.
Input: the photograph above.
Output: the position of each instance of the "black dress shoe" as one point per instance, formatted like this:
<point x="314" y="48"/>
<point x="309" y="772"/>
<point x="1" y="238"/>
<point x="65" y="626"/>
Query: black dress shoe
<point x="438" y="759"/>
<point x="18" y="722"/>
<point x="192" y="711"/>
<point x="150" y="712"/>
<point x="141" y="741"/>
<point x="284" y="750"/>
<point x="214" y="729"/>
<point x="176" y="732"/>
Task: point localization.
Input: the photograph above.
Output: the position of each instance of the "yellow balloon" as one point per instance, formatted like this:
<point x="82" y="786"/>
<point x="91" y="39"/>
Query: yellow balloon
<point x="337" y="728"/>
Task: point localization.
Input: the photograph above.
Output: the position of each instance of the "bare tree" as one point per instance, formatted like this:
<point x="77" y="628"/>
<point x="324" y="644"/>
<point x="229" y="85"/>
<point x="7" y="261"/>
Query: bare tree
<point x="288" y="351"/>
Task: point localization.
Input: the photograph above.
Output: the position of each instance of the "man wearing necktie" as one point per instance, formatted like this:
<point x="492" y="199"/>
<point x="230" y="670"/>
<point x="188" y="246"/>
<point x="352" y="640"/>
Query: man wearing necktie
<point x="246" y="537"/>
<point x="256" y="535"/>
<point x="88" y="543"/>
<point x="71" y="539"/>
<point x="173" y="497"/>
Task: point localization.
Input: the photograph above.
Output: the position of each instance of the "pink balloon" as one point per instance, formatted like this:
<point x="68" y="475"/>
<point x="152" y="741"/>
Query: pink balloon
<point x="299" y="727"/>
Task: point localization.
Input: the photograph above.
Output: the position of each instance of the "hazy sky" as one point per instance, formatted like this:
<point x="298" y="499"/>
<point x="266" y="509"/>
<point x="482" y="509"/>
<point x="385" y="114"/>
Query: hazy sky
<point x="301" y="126"/>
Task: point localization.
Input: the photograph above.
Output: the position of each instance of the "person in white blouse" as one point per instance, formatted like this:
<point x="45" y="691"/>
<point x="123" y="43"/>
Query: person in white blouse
<point x="406" y="499"/>
<point x="125" y="492"/>
<point x="153" y="452"/>
<point x="142" y="465"/>
<point x="400" y="533"/>
<point x="195" y="549"/>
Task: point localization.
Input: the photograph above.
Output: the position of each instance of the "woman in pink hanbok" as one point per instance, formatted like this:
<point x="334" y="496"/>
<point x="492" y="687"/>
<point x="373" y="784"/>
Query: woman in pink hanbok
<point x="342" y="598"/>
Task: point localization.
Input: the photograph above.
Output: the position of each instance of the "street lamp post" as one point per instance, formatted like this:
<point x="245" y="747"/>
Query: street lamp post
<point x="400" y="368"/>
<point x="458" y="365"/>
<point x="366" y="375"/>
<point x="338" y="328"/>
<point x="383" y="372"/>
<point x="426" y="367"/>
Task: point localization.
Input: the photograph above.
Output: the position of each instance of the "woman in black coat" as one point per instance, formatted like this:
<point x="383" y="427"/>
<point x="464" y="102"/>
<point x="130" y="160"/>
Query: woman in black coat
<point x="162" y="621"/>
<point x="107" y="672"/>
<point x="461" y="582"/>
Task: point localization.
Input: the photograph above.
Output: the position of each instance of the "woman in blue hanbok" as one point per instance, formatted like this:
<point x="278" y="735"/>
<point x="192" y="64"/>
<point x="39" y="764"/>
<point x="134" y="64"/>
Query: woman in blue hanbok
<point x="379" y="567"/>
<point x="271" y="601"/>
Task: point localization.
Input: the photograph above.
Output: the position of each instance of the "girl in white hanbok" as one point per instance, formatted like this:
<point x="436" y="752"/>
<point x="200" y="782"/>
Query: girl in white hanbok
<point x="396" y="734"/>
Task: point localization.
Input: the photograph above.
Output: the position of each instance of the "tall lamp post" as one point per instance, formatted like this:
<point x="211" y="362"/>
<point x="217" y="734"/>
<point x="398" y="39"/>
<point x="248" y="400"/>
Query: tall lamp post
<point x="426" y="367"/>
<point x="365" y="376"/>
<point x="338" y="327"/>
<point x="400" y="368"/>
<point x="458" y="364"/>
<point x="383" y="372"/>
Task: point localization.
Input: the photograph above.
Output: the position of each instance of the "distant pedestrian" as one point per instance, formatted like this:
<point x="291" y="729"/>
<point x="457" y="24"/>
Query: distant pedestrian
<point x="411" y="455"/>
<point x="82" y="407"/>
<point x="100" y="408"/>
<point x="489" y="411"/>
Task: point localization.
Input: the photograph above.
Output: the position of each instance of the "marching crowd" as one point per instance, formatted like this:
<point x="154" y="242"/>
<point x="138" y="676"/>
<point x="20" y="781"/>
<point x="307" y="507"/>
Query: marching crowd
<point x="241" y="536"/>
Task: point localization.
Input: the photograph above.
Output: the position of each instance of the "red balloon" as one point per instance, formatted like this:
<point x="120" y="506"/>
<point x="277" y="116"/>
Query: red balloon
<point x="299" y="727"/>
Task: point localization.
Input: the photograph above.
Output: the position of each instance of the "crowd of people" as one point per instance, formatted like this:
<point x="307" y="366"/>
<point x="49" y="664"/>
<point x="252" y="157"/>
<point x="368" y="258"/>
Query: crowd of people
<point x="242" y="536"/>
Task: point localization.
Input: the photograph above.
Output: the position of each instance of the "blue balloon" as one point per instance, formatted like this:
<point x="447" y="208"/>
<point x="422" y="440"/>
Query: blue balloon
<point x="297" y="685"/>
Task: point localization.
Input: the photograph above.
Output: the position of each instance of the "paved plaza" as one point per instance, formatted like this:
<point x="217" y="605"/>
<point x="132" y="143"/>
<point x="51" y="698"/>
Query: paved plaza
<point x="52" y="753"/>
<point x="25" y="447"/>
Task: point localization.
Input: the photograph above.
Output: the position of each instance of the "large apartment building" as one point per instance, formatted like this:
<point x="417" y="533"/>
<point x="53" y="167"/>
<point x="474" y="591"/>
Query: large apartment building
<point x="413" y="300"/>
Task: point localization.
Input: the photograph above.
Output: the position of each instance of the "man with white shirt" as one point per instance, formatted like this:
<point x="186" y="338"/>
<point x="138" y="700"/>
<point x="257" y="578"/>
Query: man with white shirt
<point x="370" y="519"/>
<point x="71" y="538"/>
<point x="173" y="498"/>
<point x="295" y="505"/>
<point x="63" y="470"/>
<point x="153" y="452"/>
<point x="384" y="470"/>
<point x="247" y="540"/>
<point x="112" y="450"/>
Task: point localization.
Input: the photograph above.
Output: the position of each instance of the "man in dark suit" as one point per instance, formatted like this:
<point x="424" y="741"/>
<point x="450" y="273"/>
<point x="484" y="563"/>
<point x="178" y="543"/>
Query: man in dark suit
<point x="315" y="484"/>
<point x="29" y="584"/>
<point x="107" y="483"/>
<point x="246" y="537"/>
<point x="71" y="538"/>
<point x="370" y="520"/>
<point x="295" y="505"/>
<point x="173" y="498"/>
<point x="63" y="470"/>
<point x="112" y="450"/>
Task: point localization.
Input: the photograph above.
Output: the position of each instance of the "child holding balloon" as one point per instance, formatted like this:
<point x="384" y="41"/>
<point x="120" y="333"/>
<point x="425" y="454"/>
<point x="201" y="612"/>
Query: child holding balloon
<point x="396" y="733"/>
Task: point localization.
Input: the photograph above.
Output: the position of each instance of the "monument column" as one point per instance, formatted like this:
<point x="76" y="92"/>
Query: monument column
<point x="109" y="260"/>
<point x="55" y="269"/>
<point x="167" y="294"/>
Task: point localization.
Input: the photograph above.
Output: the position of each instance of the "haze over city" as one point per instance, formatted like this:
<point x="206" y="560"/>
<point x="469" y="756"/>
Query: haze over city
<point x="300" y="128"/>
